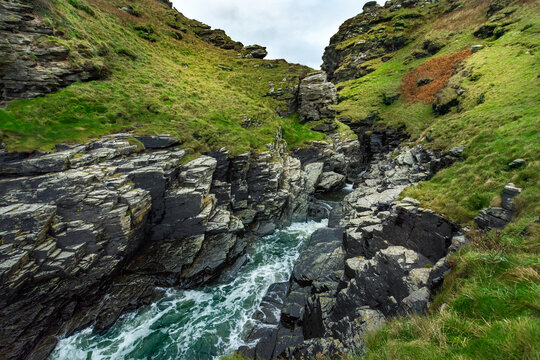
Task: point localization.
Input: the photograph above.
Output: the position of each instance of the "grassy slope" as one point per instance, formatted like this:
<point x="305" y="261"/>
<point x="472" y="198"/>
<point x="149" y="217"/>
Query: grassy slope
<point x="173" y="86"/>
<point x="492" y="297"/>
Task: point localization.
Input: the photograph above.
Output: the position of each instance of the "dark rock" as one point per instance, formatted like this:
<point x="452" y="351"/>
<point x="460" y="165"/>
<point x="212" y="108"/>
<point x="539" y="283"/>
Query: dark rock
<point x="158" y="142"/>
<point x="485" y="31"/>
<point x="91" y="231"/>
<point x="423" y="81"/>
<point x="331" y="181"/>
<point x="516" y="164"/>
<point x="445" y="100"/>
<point x="493" y="218"/>
<point x="322" y="257"/>
<point x="24" y="44"/>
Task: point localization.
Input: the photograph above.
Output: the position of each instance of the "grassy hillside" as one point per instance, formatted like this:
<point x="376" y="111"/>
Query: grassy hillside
<point x="160" y="78"/>
<point x="489" y="307"/>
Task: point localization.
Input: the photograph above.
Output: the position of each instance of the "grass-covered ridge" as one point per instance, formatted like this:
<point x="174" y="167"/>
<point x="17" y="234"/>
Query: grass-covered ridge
<point x="489" y="305"/>
<point x="161" y="78"/>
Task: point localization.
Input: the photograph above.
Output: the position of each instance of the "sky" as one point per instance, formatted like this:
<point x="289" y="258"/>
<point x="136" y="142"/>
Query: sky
<point x="295" y="30"/>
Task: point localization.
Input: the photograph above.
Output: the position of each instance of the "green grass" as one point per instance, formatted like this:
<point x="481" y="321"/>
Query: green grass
<point x="503" y="128"/>
<point x="492" y="296"/>
<point x="156" y="84"/>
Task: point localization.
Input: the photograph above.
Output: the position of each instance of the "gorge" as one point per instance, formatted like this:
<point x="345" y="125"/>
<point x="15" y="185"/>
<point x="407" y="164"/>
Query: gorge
<point x="167" y="193"/>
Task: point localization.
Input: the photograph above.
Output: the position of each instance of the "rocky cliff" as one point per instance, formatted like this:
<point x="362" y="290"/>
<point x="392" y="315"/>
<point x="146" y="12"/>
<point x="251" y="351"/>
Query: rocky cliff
<point x="379" y="258"/>
<point x="89" y="231"/>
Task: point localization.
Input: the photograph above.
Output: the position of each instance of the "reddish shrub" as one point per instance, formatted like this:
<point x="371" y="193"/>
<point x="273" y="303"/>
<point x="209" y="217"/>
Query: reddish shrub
<point x="422" y="83"/>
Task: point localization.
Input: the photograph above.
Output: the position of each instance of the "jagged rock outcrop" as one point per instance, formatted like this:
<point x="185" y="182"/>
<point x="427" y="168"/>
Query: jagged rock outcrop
<point x="89" y="231"/>
<point x="216" y="37"/>
<point x="315" y="98"/>
<point x="378" y="259"/>
<point x="30" y="64"/>
<point x="345" y="59"/>
<point x="254" y="52"/>
<point x="341" y="156"/>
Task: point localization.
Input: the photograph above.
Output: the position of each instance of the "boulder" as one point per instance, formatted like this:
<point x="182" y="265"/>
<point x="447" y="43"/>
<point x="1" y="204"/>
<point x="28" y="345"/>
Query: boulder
<point x="254" y="51"/>
<point x="313" y="173"/>
<point x="493" y="218"/>
<point x="417" y="302"/>
<point x="331" y="181"/>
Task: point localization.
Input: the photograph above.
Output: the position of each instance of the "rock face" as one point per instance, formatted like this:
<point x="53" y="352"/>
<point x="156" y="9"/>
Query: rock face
<point x="498" y="217"/>
<point x="340" y="156"/>
<point x="89" y="231"/>
<point x="316" y="97"/>
<point x="378" y="259"/>
<point x="31" y="65"/>
<point x="345" y="60"/>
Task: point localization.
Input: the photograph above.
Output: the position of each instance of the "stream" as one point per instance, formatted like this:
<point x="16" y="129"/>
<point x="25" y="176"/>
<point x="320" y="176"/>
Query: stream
<point x="197" y="324"/>
<point x="205" y="323"/>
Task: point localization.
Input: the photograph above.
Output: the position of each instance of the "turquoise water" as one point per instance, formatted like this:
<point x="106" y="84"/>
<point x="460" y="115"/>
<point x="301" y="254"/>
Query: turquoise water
<point x="197" y="324"/>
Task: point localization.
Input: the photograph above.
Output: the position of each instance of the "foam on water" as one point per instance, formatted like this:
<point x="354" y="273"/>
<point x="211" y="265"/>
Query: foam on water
<point x="197" y="324"/>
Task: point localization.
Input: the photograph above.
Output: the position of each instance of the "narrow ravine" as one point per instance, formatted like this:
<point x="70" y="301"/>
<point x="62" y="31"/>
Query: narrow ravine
<point x="197" y="324"/>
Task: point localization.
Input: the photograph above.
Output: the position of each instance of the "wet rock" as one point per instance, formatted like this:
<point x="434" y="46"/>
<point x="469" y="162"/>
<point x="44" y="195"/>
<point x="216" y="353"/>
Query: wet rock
<point x="322" y="256"/>
<point x="104" y="221"/>
<point x="331" y="181"/>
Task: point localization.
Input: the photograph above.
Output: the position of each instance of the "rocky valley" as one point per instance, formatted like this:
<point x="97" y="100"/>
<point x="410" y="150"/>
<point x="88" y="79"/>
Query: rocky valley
<point x="166" y="192"/>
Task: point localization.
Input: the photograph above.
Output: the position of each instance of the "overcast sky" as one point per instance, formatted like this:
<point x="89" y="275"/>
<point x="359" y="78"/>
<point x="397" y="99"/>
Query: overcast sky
<point x="295" y="30"/>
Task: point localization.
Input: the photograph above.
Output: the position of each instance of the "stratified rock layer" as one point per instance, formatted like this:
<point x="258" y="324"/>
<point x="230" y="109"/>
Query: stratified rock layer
<point x="88" y="232"/>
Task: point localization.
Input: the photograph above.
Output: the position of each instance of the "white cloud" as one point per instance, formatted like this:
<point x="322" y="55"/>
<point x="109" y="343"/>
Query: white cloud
<point x="296" y="30"/>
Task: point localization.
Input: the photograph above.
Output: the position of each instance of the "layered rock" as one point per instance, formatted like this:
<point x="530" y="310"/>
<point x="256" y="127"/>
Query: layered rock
<point x="31" y="65"/>
<point x="89" y="231"/>
<point x="315" y="98"/>
<point x="380" y="258"/>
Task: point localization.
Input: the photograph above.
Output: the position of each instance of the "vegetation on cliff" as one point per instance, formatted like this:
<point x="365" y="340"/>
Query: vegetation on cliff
<point x="160" y="76"/>
<point x="490" y="103"/>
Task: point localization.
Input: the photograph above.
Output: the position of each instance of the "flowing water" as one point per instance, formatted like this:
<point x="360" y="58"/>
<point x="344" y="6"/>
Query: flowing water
<point x="197" y="324"/>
